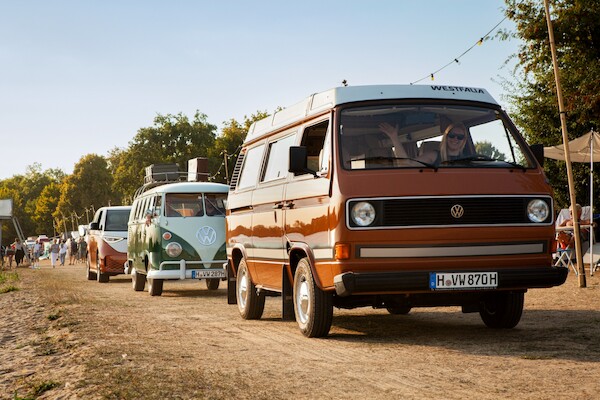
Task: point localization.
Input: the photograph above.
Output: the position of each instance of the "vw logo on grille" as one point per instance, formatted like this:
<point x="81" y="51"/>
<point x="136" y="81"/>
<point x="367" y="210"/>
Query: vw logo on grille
<point x="457" y="211"/>
<point x="206" y="235"/>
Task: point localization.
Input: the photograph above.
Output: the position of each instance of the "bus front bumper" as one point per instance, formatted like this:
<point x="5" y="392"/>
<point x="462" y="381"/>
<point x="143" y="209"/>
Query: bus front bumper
<point x="350" y="283"/>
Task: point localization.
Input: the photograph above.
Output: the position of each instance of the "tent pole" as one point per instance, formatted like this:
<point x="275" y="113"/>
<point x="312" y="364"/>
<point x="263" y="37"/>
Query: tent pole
<point x="563" y="124"/>
<point x="592" y="203"/>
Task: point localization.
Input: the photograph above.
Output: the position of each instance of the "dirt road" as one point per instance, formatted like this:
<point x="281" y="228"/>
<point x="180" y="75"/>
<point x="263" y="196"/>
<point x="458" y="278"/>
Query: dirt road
<point x="64" y="337"/>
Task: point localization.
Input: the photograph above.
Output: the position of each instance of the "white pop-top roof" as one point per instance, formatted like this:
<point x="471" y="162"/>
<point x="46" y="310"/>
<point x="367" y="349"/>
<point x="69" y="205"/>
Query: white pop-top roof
<point x="319" y="102"/>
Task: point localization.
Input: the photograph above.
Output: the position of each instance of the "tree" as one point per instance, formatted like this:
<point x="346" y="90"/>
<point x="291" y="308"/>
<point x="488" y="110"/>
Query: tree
<point x="172" y="139"/>
<point x="487" y="149"/>
<point x="532" y="94"/>
<point x="89" y="185"/>
<point x="25" y="192"/>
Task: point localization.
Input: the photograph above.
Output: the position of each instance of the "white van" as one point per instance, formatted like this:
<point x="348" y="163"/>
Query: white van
<point x="177" y="231"/>
<point x="107" y="243"/>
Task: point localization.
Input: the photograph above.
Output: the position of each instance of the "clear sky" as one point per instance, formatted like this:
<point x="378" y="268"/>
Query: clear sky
<point x="82" y="76"/>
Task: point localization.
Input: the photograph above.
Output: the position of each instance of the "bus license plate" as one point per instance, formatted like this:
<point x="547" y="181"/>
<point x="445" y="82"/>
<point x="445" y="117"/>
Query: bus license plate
<point x="208" y="273"/>
<point x="462" y="280"/>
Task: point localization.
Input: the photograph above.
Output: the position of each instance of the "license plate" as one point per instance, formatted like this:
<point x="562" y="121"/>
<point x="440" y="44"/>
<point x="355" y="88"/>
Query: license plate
<point x="462" y="280"/>
<point x="208" y="273"/>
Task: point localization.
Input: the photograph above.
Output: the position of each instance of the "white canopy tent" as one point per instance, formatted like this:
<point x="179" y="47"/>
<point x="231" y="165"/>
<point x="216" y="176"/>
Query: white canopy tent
<point x="584" y="149"/>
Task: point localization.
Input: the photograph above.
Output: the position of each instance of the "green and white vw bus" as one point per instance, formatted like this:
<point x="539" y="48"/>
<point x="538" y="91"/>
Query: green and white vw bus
<point x="177" y="231"/>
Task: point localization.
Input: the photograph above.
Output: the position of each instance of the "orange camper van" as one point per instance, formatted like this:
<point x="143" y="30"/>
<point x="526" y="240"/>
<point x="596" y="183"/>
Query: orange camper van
<point x="394" y="197"/>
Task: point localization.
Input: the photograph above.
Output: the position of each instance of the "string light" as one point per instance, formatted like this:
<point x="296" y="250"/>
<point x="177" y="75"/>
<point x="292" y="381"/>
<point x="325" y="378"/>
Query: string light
<point x="455" y="60"/>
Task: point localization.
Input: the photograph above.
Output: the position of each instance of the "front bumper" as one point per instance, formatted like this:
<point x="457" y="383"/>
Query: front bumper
<point x="350" y="283"/>
<point x="186" y="270"/>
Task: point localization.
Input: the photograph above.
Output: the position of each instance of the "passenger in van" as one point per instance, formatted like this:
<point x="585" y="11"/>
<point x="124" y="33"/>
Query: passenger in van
<point x="456" y="143"/>
<point x="170" y="210"/>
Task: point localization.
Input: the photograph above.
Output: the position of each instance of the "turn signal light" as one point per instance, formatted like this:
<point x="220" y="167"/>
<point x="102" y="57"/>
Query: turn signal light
<point x="342" y="251"/>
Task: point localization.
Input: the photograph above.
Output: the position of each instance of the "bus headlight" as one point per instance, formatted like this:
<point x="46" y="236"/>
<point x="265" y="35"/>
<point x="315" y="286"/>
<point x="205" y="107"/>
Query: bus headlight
<point x="537" y="210"/>
<point x="173" y="249"/>
<point x="363" y="213"/>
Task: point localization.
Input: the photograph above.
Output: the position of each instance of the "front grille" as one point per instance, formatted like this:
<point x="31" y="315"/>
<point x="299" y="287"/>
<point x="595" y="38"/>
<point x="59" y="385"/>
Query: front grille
<point x="436" y="211"/>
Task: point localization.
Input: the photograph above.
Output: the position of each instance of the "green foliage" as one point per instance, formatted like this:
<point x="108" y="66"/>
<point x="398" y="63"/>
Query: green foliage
<point x="532" y="94"/>
<point x="487" y="149"/>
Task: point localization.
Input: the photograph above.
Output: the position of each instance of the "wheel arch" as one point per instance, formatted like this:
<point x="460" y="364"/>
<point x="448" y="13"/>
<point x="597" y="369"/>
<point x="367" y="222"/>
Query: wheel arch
<point x="299" y="251"/>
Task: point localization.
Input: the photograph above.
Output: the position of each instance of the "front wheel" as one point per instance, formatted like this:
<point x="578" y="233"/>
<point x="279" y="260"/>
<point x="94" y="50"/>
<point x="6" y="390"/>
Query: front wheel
<point x="138" y="281"/>
<point x="312" y="306"/>
<point x="250" y="303"/>
<point x="502" y="309"/>
<point x="102" y="277"/>
<point x="212" y="284"/>
<point x="155" y="286"/>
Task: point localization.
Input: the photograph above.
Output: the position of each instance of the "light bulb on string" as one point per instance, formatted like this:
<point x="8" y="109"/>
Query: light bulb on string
<point x="432" y="78"/>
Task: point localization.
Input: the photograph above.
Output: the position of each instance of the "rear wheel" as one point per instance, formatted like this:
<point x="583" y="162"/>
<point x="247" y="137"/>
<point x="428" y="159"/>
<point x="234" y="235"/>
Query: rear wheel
<point x="250" y="303"/>
<point x="212" y="284"/>
<point x="398" y="310"/>
<point x="155" y="286"/>
<point x="91" y="276"/>
<point x="138" y="281"/>
<point x="312" y="306"/>
<point x="502" y="309"/>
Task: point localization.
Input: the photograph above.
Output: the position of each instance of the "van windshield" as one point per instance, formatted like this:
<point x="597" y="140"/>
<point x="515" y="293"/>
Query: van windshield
<point x="427" y="135"/>
<point x="116" y="220"/>
<point x="195" y="204"/>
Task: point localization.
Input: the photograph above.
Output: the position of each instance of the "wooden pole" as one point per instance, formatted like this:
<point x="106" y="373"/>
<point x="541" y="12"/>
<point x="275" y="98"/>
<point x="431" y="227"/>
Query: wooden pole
<point x="563" y="124"/>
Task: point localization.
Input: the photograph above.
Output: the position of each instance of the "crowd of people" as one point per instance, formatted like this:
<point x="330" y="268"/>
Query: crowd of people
<point x="57" y="250"/>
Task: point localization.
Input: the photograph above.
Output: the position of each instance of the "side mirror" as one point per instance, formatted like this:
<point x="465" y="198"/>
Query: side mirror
<point x="298" y="161"/>
<point x="94" y="226"/>
<point x="538" y="152"/>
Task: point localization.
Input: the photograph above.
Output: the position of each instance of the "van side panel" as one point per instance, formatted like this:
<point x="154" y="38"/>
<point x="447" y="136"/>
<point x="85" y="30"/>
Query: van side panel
<point x="268" y="244"/>
<point x="307" y="220"/>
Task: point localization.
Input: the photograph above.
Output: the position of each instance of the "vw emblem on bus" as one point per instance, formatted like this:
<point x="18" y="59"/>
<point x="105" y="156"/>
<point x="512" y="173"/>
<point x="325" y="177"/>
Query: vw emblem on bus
<point x="206" y="235"/>
<point x="457" y="211"/>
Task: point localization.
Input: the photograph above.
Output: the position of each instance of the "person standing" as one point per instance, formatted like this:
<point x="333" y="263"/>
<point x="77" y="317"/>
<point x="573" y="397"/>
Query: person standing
<point x="19" y="251"/>
<point x="82" y="249"/>
<point x="62" y="252"/>
<point x="73" y="251"/>
<point x="37" y="250"/>
<point x="54" y="250"/>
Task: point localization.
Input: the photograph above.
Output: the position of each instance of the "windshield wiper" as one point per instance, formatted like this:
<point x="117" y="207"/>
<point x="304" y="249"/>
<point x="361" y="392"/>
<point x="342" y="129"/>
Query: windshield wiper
<point x="481" y="157"/>
<point x="382" y="158"/>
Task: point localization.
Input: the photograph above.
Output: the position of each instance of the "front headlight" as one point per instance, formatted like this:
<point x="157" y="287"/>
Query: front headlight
<point x="537" y="210"/>
<point x="363" y="213"/>
<point x="173" y="249"/>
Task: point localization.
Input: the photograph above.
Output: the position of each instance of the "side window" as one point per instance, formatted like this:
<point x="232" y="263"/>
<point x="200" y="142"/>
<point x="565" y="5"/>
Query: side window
<point x="316" y="139"/>
<point x="157" y="204"/>
<point x="133" y="213"/>
<point x="278" y="159"/>
<point x="251" y="168"/>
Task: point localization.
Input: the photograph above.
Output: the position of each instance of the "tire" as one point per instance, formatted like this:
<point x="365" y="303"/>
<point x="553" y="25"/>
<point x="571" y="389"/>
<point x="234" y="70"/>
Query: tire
<point x="312" y="306"/>
<point x="102" y="277"/>
<point x="502" y="310"/>
<point x="250" y="303"/>
<point x="138" y="281"/>
<point x="399" y="310"/>
<point x="91" y="276"/>
<point x="212" y="284"/>
<point x="155" y="286"/>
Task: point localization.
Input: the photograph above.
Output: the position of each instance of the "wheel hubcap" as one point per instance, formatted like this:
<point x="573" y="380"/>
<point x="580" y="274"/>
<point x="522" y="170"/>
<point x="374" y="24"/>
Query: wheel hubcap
<point x="243" y="290"/>
<point x="303" y="301"/>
